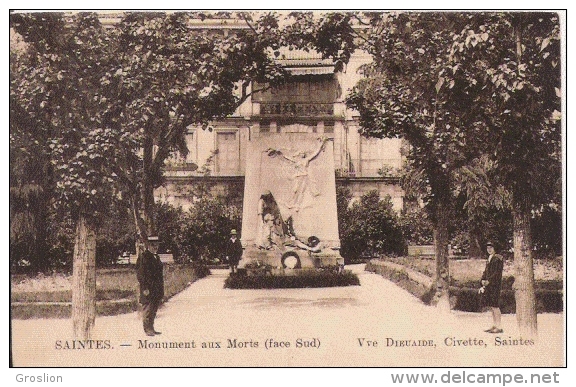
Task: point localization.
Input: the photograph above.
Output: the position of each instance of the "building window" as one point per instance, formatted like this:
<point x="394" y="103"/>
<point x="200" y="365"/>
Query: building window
<point x="264" y="126"/>
<point x="228" y="158"/>
<point x="191" y="157"/>
<point x="180" y="161"/>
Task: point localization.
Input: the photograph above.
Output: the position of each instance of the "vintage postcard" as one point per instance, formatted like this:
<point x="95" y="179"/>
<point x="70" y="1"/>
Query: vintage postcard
<point x="287" y="189"/>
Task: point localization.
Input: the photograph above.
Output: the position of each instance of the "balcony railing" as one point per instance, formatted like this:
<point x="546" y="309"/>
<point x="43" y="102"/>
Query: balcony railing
<point x="301" y="109"/>
<point x="353" y="169"/>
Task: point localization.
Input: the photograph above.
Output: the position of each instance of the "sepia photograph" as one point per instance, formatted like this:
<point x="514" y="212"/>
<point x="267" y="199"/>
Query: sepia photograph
<point x="294" y="189"/>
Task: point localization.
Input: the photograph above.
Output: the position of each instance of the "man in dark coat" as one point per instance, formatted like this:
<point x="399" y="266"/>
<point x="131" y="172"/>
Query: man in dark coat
<point x="491" y="285"/>
<point x="233" y="251"/>
<point x="149" y="271"/>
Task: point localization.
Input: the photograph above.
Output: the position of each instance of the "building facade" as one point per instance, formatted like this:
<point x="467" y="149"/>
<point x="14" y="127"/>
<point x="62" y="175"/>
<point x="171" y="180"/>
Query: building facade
<point x="311" y="102"/>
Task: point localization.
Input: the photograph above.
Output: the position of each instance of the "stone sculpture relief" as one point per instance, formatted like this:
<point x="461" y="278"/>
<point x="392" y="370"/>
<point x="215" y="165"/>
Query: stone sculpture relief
<point x="302" y="183"/>
<point x="270" y="223"/>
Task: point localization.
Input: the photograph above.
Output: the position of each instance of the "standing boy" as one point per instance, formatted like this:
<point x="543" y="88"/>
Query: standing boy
<point x="233" y="251"/>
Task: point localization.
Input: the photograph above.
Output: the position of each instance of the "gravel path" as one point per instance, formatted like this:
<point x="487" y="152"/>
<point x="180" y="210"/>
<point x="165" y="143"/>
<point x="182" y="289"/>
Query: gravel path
<point x="375" y="324"/>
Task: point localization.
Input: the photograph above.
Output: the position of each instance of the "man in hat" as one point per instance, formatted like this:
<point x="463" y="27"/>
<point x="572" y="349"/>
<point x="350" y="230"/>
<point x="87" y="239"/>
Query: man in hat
<point x="491" y="285"/>
<point x="149" y="272"/>
<point x="233" y="251"/>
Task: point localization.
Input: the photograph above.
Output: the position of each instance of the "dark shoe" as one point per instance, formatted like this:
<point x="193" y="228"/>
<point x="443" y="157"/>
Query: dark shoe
<point x="157" y="333"/>
<point x="489" y="329"/>
<point x="149" y="333"/>
<point x="496" y="330"/>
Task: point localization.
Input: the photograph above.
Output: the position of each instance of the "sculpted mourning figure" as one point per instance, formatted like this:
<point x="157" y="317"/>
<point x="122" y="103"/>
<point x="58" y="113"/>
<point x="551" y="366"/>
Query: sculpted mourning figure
<point x="269" y="220"/>
<point x="301" y="180"/>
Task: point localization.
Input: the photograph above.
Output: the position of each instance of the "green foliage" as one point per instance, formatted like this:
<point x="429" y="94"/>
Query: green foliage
<point x="368" y="227"/>
<point x="115" y="236"/>
<point x="113" y="103"/>
<point x="416" y="227"/>
<point x="205" y="228"/>
<point x="98" y="110"/>
<point x="546" y="226"/>
<point x="53" y="87"/>
<point x="168" y="221"/>
<point x="343" y="197"/>
<point x="467" y="299"/>
<point x="507" y="66"/>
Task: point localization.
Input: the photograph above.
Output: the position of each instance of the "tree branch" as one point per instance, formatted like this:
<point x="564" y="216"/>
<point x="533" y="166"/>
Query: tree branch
<point x="355" y="16"/>
<point x="246" y="95"/>
<point x="243" y="16"/>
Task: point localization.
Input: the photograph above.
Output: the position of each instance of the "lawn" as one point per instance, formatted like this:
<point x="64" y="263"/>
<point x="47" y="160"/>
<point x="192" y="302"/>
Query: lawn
<point x="469" y="270"/>
<point x="465" y="281"/>
<point x="110" y="284"/>
<point x="116" y="289"/>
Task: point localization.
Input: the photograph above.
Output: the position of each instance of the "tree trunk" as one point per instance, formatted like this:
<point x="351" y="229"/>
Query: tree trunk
<point x="441" y="240"/>
<point x="524" y="288"/>
<point x="524" y="273"/>
<point x="140" y="228"/>
<point x="84" y="280"/>
<point x="148" y="187"/>
<point x="148" y="213"/>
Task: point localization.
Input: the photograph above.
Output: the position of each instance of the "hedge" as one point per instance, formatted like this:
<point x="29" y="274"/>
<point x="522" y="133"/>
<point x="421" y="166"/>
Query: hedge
<point x="109" y="301"/>
<point x="297" y="279"/>
<point x="464" y="296"/>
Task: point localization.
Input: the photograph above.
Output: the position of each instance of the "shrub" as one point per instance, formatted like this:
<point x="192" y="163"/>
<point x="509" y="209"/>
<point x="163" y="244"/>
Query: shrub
<point x="313" y="278"/>
<point x="205" y="228"/>
<point x="468" y="299"/>
<point x="547" y="232"/>
<point x="177" y="277"/>
<point x="369" y="227"/>
<point x="401" y="278"/>
<point x="115" y="235"/>
<point x="168" y="222"/>
<point x="258" y="268"/>
<point x="415" y="225"/>
<point x="464" y="292"/>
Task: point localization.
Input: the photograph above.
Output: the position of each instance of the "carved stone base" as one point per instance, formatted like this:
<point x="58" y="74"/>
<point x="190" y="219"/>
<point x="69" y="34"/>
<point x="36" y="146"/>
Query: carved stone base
<point x="291" y="258"/>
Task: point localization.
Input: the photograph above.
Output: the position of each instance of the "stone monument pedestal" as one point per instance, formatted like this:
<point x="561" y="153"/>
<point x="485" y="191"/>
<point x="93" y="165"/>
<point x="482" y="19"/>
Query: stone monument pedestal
<point x="289" y="214"/>
<point x="281" y="258"/>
